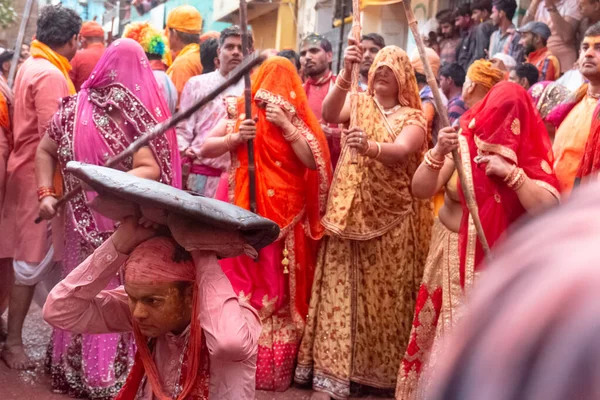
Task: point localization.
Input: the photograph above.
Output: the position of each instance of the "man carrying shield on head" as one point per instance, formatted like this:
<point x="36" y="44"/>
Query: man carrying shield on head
<point x="195" y="339"/>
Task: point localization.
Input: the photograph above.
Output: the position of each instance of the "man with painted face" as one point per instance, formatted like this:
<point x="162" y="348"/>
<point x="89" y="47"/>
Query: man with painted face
<point x="205" y="173"/>
<point x="451" y="38"/>
<point x="371" y="44"/>
<point x="534" y="37"/>
<point x="576" y="138"/>
<point x="317" y="53"/>
<point x="195" y="338"/>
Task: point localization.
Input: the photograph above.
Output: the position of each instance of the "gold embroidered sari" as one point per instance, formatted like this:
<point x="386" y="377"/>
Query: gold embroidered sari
<point x="371" y="262"/>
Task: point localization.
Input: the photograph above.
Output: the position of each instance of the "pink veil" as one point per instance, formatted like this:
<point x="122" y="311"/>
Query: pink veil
<point x="124" y="80"/>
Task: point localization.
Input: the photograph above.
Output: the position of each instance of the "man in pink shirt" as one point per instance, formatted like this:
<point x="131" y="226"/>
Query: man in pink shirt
<point x="203" y="339"/>
<point x="205" y="173"/>
<point x="42" y="80"/>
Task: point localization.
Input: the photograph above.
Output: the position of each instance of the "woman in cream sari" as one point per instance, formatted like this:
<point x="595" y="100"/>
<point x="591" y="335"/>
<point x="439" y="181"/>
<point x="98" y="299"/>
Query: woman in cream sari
<point x="372" y="258"/>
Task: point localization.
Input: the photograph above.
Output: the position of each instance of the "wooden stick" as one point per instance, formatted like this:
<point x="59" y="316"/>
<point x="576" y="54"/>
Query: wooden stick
<point x="234" y="76"/>
<point x="248" y="105"/>
<point x="20" y="38"/>
<point x="442" y="112"/>
<point x="356" y="31"/>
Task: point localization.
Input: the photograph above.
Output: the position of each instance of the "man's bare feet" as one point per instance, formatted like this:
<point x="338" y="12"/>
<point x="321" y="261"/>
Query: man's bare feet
<point x="16" y="358"/>
<point x="319" y="396"/>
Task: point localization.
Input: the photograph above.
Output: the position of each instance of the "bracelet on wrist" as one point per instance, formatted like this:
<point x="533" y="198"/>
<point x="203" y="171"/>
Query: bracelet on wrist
<point x="432" y="163"/>
<point x="343" y="84"/>
<point x="293" y="136"/>
<point x="45" y="191"/>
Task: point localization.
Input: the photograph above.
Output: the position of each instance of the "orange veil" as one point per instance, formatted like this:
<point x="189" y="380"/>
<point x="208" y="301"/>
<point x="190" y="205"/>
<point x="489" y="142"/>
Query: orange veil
<point x="284" y="187"/>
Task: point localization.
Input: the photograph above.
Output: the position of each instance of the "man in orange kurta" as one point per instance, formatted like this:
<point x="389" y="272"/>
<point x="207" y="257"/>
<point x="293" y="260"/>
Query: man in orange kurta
<point x="41" y="81"/>
<point x="573" y="131"/>
<point x="92" y="49"/>
<point x="184" y="25"/>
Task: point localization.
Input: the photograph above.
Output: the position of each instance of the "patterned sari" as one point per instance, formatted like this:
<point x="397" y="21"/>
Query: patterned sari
<point x="504" y="123"/>
<point x="371" y="262"/>
<point x="85" y="129"/>
<point x="278" y="284"/>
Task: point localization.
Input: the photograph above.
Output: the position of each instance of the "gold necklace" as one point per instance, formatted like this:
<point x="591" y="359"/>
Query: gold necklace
<point x="390" y="110"/>
<point x="593" y="95"/>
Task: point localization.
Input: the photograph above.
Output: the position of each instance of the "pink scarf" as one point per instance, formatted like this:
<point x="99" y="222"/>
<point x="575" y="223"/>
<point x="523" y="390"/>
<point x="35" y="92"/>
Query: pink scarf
<point x="123" y="79"/>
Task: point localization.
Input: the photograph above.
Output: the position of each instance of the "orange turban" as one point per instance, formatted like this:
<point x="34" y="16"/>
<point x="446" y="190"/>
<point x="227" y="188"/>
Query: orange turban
<point x="91" y="29"/>
<point x="185" y="19"/>
<point x="483" y="73"/>
<point x="432" y="57"/>
<point x="209" y="35"/>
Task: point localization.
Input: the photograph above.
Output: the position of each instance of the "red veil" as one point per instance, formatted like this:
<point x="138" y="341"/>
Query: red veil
<point x="505" y="123"/>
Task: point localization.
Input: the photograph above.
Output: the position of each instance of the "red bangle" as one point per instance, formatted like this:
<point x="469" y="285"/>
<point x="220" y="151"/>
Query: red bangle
<point x="45" y="191"/>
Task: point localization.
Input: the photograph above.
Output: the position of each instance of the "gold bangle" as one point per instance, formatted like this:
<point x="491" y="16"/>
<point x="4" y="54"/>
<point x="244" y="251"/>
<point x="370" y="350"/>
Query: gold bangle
<point x="342" y="84"/>
<point x="378" y="151"/>
<point x="432" y="163"/>
<point x="292" y="137"/>
<point x="341" y="77"/>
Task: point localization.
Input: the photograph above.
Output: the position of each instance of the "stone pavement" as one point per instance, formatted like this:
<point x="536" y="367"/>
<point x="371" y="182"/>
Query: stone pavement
<point x="34" y="385"/>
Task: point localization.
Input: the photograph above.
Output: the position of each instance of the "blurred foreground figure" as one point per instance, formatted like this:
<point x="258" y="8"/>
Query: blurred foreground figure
<point x="532" y="328"/>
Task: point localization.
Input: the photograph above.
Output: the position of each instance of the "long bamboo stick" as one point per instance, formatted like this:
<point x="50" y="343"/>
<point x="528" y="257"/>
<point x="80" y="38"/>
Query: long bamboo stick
<point x="356" y="32"/>
<point x="20" y="38"/>
<point x="248" y="105"/>
<point x="441" y="110"/>
<point x="234" y="76"/>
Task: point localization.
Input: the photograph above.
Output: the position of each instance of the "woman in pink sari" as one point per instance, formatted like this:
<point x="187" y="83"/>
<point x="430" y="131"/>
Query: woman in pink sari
<point x="120" y="102"/>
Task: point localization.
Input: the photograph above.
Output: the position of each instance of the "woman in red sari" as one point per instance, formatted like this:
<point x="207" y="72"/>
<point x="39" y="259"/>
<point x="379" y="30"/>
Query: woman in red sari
<point x="293" y="173"/>
<point x="507" y="158"/>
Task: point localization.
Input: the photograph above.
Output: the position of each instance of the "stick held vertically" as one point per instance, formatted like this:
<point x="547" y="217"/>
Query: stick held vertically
<point x="248" y="104"/>
<point x="356" y="32"/>
<point x="444" y="122"/>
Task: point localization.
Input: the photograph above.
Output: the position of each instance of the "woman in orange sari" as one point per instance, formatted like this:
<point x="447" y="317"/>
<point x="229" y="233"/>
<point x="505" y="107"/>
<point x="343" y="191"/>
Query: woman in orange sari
<point x="371" y="261"/>
<point x="507" y="158"/>
<point x="293" y="174"/>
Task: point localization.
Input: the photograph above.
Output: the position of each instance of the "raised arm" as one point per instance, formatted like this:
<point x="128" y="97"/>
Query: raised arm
<point x="336" y="106"/>
<point x="428" y="181"/>
<point x="534" y="197"/>
<point x="79" y="302"/>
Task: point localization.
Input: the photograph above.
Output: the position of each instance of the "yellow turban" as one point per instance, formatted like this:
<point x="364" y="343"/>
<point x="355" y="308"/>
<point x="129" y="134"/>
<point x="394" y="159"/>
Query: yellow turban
<point x="483" y="73"/>
<point x="185" y="19"/>
<point x="432" y="56"/>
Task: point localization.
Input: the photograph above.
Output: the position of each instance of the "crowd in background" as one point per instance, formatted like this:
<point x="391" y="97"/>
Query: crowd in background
<point x="378" y="247"/>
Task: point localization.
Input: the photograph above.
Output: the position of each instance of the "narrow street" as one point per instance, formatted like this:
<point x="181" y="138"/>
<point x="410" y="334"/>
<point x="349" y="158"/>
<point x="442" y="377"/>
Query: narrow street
<point x="34" y="384"/>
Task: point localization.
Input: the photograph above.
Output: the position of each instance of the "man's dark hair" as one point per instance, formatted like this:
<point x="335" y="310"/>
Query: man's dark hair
<point x="529" y="72"/>
<point x="187" y="38"/>
<point x="593" y="30"/>
<point x="454" y="71"/>
<point x="445" y="17"/>
<point x="375" y="38"/>
<point x="322" y="40"/>
<point x="208" y="53"/>
<point x="508" y="6"/>
<point x="421" y="78"/>
<point x="6" y="56"/>
<point x="464" y="10"/>
<point x="235" y="31"/>
<point x="57" y="25"/>
<point x="292" y="56"/>
<point x="481" y="5"/>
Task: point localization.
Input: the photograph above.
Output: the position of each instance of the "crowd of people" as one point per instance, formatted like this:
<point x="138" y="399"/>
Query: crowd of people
<point x="365" y="288"/>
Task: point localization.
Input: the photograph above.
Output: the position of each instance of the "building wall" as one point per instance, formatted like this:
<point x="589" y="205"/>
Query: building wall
<point x="204" y="6"/>
<point x="264" y="29"/>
